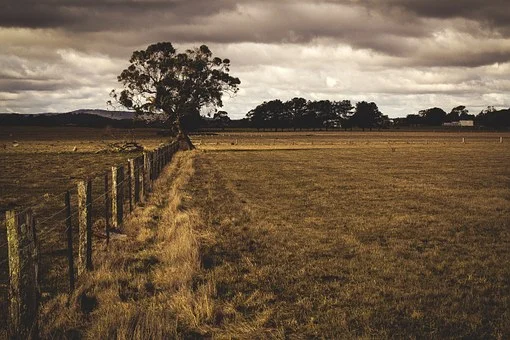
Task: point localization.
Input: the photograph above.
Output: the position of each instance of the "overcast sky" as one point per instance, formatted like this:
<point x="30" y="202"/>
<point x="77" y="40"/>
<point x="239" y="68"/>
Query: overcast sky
<point x="405" y="55"/>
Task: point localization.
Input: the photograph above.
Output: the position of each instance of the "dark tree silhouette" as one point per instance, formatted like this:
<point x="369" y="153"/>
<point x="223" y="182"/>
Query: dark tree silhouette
<point x="367" y="115"/>
<point x="343" y="113"/>
<point x="278" y="117"/>
<point x="433" y="116"/>
<point x="492" y="118"/>
<point x="458" y="113"/>
<point x="222" y="119"/>
<point x="259" y="116"/>
<point x="323" y="112"/>
<point x="297" y="107"/>
<point x="175" y="86"/>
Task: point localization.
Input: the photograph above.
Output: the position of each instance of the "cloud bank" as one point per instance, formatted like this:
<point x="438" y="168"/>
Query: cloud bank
<point x="405" y="55"/>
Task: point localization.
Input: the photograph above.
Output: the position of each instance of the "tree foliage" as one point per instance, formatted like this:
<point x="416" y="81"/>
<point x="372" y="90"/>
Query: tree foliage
<point x="367" y="115"/>
<point x="174" y="86"/>
<point x="433" y="116"/>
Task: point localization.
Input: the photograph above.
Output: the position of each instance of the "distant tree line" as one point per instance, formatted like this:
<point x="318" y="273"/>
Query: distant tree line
<point x="299" y="113"/>
<point x="489" y="117"/>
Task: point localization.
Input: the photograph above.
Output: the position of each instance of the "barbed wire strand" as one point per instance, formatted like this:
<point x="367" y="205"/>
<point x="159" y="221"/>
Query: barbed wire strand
<point x="42" y="201"/>
<point x="57" y="225"/>
<point x="42" y="235"/>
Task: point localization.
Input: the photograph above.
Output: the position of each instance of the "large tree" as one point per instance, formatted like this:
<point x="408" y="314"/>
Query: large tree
<point x="175" y="86"/>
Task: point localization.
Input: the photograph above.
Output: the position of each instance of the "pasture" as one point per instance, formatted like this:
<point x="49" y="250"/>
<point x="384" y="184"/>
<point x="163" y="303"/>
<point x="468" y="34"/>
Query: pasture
<point x="371" y="235"/>
<point x="295" y="234"/>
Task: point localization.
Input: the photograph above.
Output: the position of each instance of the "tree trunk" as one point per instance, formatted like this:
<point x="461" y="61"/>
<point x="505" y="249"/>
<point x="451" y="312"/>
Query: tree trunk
<point x="183" y="138"/>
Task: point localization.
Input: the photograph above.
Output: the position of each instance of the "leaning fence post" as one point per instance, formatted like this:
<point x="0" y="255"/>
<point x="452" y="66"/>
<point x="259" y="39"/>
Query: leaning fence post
<point x="70" y="257"/>
<point x="23" y="285"/>
<point x="117" y="196"/>
<point x="85" y="226"/>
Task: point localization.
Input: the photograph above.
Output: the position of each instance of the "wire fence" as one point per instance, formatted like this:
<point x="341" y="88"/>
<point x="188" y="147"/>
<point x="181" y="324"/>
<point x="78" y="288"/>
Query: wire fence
<point x="52" y="221"/>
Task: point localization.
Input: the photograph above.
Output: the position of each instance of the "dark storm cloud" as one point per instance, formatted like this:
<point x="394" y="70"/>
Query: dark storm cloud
<point x="495" y="12"/>
<point x="393" y="27"/>
<point x="81" y="15"/>
<point x="21" y="85"/>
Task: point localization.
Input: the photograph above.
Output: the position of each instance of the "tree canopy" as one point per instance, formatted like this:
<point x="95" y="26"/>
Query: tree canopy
<point x="174" y="87"/>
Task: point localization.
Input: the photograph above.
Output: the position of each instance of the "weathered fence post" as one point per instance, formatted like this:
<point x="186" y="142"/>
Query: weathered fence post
<point x="70" y="257"/>
<point x="23" y="280"/>
<point x="155" y="163"/>
<point x="85" y="226"/>
<point x="130" y="185"/>
<point x="147" y="171"/>
<point x="117" y="196"/>
<point x="160" y="160"/>
<point x="141" y="178"/>
<point x="136" y="179"/>
<point x="106" y="209"/>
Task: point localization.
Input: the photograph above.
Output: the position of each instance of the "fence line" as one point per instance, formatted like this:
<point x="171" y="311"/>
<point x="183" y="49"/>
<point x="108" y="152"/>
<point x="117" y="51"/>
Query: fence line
<point x="24" y="241"/>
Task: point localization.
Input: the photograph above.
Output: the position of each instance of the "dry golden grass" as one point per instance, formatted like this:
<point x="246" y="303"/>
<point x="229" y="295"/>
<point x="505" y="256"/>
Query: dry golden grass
<point x="361" y="238"/>
<point x="358" y="240"/>
<point x="142" y="288"/>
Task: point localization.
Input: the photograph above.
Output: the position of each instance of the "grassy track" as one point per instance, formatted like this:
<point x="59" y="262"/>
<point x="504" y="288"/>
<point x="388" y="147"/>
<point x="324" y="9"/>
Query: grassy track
<point x="359" y="240"/>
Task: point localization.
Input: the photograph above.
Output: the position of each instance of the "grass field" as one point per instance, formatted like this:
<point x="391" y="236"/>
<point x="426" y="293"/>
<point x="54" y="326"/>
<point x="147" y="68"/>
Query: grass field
<point x="309" y="234"/>
<point x="361" y="238"/>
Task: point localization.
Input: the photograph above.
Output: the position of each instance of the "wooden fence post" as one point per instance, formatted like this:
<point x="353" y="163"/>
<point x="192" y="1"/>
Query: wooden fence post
<point x="147" y="171"/>
<point x="23" y="280"/>
<point x="130" y="185"/>
<point x="136" y="179"/>
<point x="155" y="163"/>
<point x="106" y="209"/>
<point x="117" y="196"/>
<point x="158" y="162"/>
<point x="141" y="178"/>
<point x="70" y="256"/>
<point x="85" y="226"/>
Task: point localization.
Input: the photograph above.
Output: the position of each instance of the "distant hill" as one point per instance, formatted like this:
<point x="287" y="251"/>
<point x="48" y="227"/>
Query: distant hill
<point x="82" y="117"/>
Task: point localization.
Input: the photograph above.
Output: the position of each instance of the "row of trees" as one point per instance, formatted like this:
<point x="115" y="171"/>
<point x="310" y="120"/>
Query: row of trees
<point x="299" y="113"/>
<point x="436" y="116"/>
<point x="489" y="117"/>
